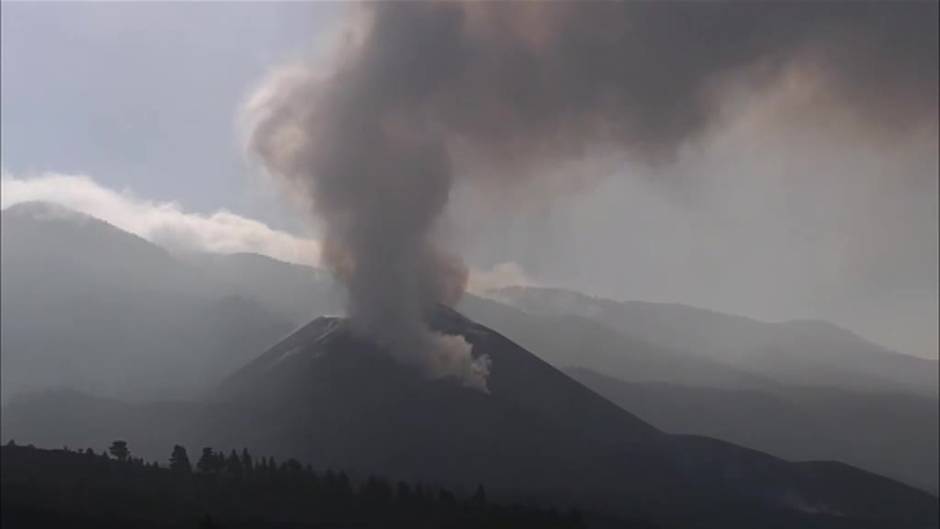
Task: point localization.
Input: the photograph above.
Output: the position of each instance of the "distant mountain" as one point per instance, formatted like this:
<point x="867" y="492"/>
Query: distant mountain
<point x="88" y="306"/>
<point x="894" y="435"/>
<point x="798" y="353"/>
<point x="885" y="427"/>
<point x="294" y="292"/>
<point x="565" y="340"/>
<point x="327" y="396"/>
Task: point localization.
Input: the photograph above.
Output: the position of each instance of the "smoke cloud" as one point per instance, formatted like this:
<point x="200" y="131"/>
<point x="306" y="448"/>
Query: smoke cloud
<point x="425" y="94"/>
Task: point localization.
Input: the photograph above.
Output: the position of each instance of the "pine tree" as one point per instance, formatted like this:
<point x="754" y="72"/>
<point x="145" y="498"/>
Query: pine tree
<point x="233" y="465"/>
<point x="247" y="463"/>
<point x="179" y="460"/>
<point x="293" y="466"/>
<point x="343" y="485"/>
<point x="478" y="500"/>
<point x="206" y="464"/>
<point x="403" y="494"/>
<point x="119" y="450"/>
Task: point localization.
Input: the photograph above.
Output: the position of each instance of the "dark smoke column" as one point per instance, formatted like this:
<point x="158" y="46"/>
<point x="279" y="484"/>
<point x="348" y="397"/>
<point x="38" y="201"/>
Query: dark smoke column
<point x="424" y="92"/>
<point x="357" y="146"/>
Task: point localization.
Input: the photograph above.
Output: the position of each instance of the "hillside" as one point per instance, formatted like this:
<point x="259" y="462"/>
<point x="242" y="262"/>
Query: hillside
<point x="566" y="339"/>
<point x="88" y="306"/>
<point x="893" y="435"/>
<point x="800" y="352"/>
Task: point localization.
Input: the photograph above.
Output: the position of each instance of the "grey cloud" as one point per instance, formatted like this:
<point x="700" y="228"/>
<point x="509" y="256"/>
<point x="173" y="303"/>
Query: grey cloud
<point x="424" y="94"/>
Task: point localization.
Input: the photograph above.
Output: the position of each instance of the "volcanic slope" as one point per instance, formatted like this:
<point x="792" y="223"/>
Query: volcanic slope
<point x="329" y="397"/>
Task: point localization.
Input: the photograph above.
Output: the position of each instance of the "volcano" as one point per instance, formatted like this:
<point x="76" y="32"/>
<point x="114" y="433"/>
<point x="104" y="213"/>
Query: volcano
<point x="328" y="396"/>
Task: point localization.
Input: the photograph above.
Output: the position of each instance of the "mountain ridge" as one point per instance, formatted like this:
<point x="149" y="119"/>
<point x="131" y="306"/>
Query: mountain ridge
<point x="796" y="352"/>
<point x="793" y="423"/>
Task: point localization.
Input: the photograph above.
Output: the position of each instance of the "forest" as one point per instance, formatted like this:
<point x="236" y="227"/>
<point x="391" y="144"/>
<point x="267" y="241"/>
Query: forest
<point x="84" y="488"/>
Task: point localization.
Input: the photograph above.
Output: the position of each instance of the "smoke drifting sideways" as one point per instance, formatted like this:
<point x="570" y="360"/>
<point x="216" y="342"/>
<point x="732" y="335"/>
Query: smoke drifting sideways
<point x="420" y="94"/>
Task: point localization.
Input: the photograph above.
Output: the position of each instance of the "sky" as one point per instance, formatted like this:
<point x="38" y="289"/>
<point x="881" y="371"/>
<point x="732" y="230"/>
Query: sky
<point x="108" y="90"/>
<point x="131" y="112"/>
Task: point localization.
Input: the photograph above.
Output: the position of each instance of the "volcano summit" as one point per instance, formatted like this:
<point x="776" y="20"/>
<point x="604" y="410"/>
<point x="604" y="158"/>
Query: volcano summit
<point x="327" y="396"/>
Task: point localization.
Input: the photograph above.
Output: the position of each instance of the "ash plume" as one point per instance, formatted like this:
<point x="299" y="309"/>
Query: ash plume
<point x="423" y="93"/>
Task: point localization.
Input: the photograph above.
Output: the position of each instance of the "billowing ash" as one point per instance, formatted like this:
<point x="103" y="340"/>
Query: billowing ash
<point x="422" y="93"/>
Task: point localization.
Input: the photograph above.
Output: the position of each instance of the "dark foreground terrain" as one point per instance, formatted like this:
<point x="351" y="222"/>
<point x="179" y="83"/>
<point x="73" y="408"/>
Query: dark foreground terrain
<point x="62" y="488"/>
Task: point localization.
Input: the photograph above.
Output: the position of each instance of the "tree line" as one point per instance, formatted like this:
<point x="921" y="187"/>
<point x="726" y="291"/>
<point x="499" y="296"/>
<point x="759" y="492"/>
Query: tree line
<point x="61" y="488"/>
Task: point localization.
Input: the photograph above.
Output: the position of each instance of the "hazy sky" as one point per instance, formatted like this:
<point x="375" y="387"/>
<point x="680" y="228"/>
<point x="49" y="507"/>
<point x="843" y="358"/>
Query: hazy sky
<point x="145" y="96"/>
<point x="771" y="217"/>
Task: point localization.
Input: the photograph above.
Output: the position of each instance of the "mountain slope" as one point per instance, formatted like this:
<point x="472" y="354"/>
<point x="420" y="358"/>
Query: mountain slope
<point x="324" y="380"/>
<point x="329" y="397"/>
<point x="296" y="293"/>
<point x="564" y="340"/>
<point x="88" y="306"/>
<point x="802" y="352"/>
<point x="893" y="435"/>
<point x="57" y="418"/>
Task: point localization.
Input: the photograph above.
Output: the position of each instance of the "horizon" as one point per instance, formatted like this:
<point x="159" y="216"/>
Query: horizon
<point x="297" y="251"/>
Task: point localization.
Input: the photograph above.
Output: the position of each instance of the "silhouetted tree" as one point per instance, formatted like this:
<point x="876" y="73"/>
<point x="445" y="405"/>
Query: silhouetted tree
<point x="233" y="465"/>
<point x="207" y="523"/>
<point x="403" y="493"/>
<point x="446" y="499"/>
<point x="478" y="500"/>
<point x="206" y="463"/>
<point x="119" y="450"/>
<point x="179" y="460"/>
<point x="293" y="466"/>
<point x="575" y="518"/>
<point x="420" y="495"/>
<point x="247" y="463"/>
<point x="376" y="492"/>
<point x="219" y="462"/>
